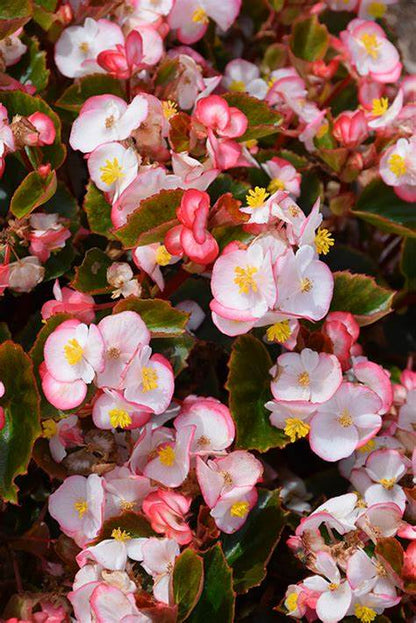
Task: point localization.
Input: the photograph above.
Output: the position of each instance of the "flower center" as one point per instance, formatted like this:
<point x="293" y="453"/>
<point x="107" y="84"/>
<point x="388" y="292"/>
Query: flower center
<point x="120" y="535"/>
<point x="113" y="352"/>
<point x="84" y="47"/>
<point x="370" y="445"/>
<point x="239" y="509"/>
<point x="345" y="419"/>
<point x="227" y="478"/>
<point x="294" y="210"/>
<point x="169" y="108"/>
<point x="81" y="507"/>
<point x="306" y="285"/>
<point x="397" y="165"/>
<point x="380" y="106"/>
<point x="295" y="428"/>
<point x="370" y="44"/>
<point x="163" y="257"/>
<point x="166" y="455"/>
<point x="322" y="130"/>
<point x="199" y="16"/>
<point x="388" y="483"/>
<point x="149" y="379"/>
<point x="323" y="241"/>
<point x="279" y="332"/>
<point x="256" y="198"/>
<point x="109" y="122"/>
<point x="111" y="172"/>
<point x="244" y="279"/>
<point x="364" y="613"/>
<point x="119" y="418"/>
<point x="126" y="506"/>
<point x="292" y="602"/>
<point x="275" y="185"/>
<point x="237" y="85"/>
<point x="49" y="428"/>
<point x="333" y="586"/>
<point x="73" y="352"/>
<point x="203" y="441"/>
<point x="376" y="9"/>
<point x="303" y="379"/>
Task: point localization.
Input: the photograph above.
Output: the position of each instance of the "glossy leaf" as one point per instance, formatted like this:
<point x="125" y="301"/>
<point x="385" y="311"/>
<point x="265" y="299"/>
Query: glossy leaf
<point x="249" y="386"/>
<point x="160" y="317"/>
<point x="34" y="191"/>
<point x="98" y="211"/>
<point x="262" y="120"/>
<point x="14" y="15"/>
<point x="188" y="579"/>
<point x="176" y="349"/>
<point x="32" y="68"/>
<point x="135" y="524"/>
<point x="151" y="220"/>
<point x="91" y="275"/>
<point x="392" y="552"/>
<point x="21" y="409"/>
<point x="96" y="84"/>
<point x="249" y="549"/>
<point x="309" y="40"/>
<point x="362" y="296"/>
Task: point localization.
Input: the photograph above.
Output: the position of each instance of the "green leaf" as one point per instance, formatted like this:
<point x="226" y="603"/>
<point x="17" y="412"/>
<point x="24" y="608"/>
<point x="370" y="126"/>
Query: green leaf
<point x="21" y="408"/>
<point x="14" y="15"/>
<point x="309" y="40"/>
<point x="262" y="120"/>
<point x="408" y="263"/>
<point x="20" y="103"/>
<point x="249" y="386"/>
<point x="226" y="184"/>
<point x="217" y="601"/>
<point x="59" y="262"/>
<point x="188" y="579"/>
<point x="34" y="191"/>
<point x="135" y="524"/>
<point x="96" y="84"/>
<point x="32" y="68"/>
<point x="151" y="219"/>
<point x="229" y="233"/>
<point x="64" y="204"/>
<point x="360" y="295"/>
<point x="91" y="275"/>
<point x="249" y="549"/>
<point x="176" y="349"/>
<point x="98" y="211"/>
<point x="160" y="317"/>
<point x="379" y="205"/>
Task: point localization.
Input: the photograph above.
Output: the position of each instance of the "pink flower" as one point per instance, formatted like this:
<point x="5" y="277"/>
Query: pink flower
<point x="343" y="331"/>
<point x="125" y="60"/>
<point x="61" y="394"/>
<point x="113" y="168"/>
<point x="110" y="605"/>
<point x="397" y="168"/>
<point x="124" y="491"/>
<point x="166" y="511"/>
<point x="12" y="48"/>
<point x="385" y="468"/>
<point x="47" y="235"/>
<point x="111" y="411"/>
<point x="69" y="301"/>
<point x="190" y="18"/>
<point x="113" y="553"/>
<point x="335" y="593"/>
<point x="340" y="513"/>
<point x="350" y="128"/>
<point x="283" y="176"/>
<point x="242" y="76"/>
<point x="45" y="126"/>
<point x="231" y="510"/>
<point x="150" y="258"/>
<point x="158" y="560"/>
<point x="171" y="465"/>
<point x="62" y="434"/>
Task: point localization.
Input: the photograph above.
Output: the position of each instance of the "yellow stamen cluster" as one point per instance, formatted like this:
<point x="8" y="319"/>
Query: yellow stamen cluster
<point x="84" y="47"/>
<point x="303" y="379"/>
<point x="388" y="483"/>
<point x="111" y="171"/>
<point x="126" y="506"/>
<point x="345" y="419"/>
<point x="119" y="418"/>
<point x="239" y="509"/>
<point x="149" y="379"/>
<point x="276" y="184"/>
<point x="199" y="16"/>
<point x="367" y="447"/>
<point x="279" y="332"/>
<point x="166" y="455"/>
<point x="49" y="429"/>
<point x="380" y="106"/>
<point x="306" y="285"/>
<point x="120" y="535"/>
<point x="244" y="279"/>
<point x="296" y="428"/>
<point x="73" y="352"/>
<point x="365" y="614"/>
<point x="292" y="602"/>
<point x="323" y="241"/>
<point x="256" y="197"/>
<point x="322" y="130"/>
<point x="370" y="44"/>
<point x="81" y="507"/>
<point x="169" y="108"/>
<point x="397" y="165"/>
<point x="237" y="85"/>
<point x="163" y="257"/>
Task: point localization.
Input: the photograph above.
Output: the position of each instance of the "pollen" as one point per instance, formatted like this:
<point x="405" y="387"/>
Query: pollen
<point x="292" y="602"/>
<point x="237" y="85"/>
<point x="303" y="379"/>
<point x="111" y="172"/>
<point x="345" y="419"/>
<point x="279" y="332"/>
<point x="365" y="614"/>
<point x="169" y="108"/>
<point x="244" y="279"/>
<point x="49" y="429"/>
<point x="294" y="210"/>
<point x="203" y="441"/>
<point x="256" y="198"/>
<point x="323" y="241"/>
<point x="367" y="447"/>
<point x="239" y="509"/>
<point x="370" y="44"/>
<point x="149" y="379"/>
<point x="120" y="535"/>
<point x="251" y="143"/>
<point x="109" y="122"/>
<point x="81" y="507"/>
<point x="333" y="586"/>
<point x="199" y="16"/>
<point x="376" y="9"/>
<point x="126" y="506"/>
<point x="119" y="418"/>
<point x="166" y="455"/>
<point x="296" y="429"/>
<point x="276" y="184"/>
<point x="306" y="285"/>
<point x="388" y="483"/>
<point x="380" y="106"/>
<point x="397" y="165"/>
<point x="163" y="257"/>
<point x="84" y="47"/>
<point x="113" y="352"/>
<point x="73" y="352"/>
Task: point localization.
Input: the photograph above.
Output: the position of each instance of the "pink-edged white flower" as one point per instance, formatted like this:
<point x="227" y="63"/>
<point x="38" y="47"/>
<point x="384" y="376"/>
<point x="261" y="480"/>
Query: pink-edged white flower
<point x="150" y="258"/>
<point x="77" y="48"/>
<point x="62" y="434"/>
<point x="69" y="301"/>
<point x="6" y="134"/>
<point x="113" y="553"/>
<point x="106" y="118"/>
<point x="385" y="468"/>
<point x="122" y="334"/>
<point x="232" y="509"/>
<point x="371" y="52"/>
<point x="381" y="520"/>
<point x="261" y="206"/>
<point x="407" y="413"/>
<point x="242" y="76"/>
<point x="45" y="128"/>
<point x="283" y="176"/>
<point x="306" y="376"/>
<point x="382" y="115"/>
<point x="166" y="511"/>
<point x="311" y="233"/>
<point x="195" y="312"/>
<point x="340" y="513"/>
<point x="120" y="276"/>
<point x="113" y="168"/>
<point x="342" y="5"/>
<point x="190" y="18"/>
<point x="170" y="467"/>
<point x="304" y="284"/>
<point x="111" y="411"/>
<point x="293" y="417"/>
<point x="78" y="506"/>
<point x="193" y="173"/>
<point x="398" y="168"/>
<point x="12" y="48"/>
<point x="144" y="10"/>
<point x="25" y="274"/>
<point x="124" y="491"/>
<point x="214" y="426"/>
<point x="367" y="574"/>
<point x="374" y="9"/>
<point x="345" y="422"/>
<point x="47" y="235"/>
<point x="335" y="593"/>
<point x="146" y="447"/>
<point x="367" y="607"/>
<point x="149" y="380"/>
<point x="221" y="476"/>
<point x="74" y="352"/>
<point x="376" y="378"/>
<point x="111" y="605"/>
<point x="158" y="560"/>
<point x="62" y="394"/>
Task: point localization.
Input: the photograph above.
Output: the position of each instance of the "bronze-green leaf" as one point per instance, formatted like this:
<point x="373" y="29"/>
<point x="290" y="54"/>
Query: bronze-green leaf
<point x="309" y="40"/>
<point x="188" y="579"/>
<point x="160" y="317"/>
<point x="91" y="275"/>
<point x="98" y="211"/>
<point x="135" y="524"/>
<point x="34" y="191"/>
<point x="361" y="296"/>
<point x="262" y="120"/>
<point x="88" y="86"/>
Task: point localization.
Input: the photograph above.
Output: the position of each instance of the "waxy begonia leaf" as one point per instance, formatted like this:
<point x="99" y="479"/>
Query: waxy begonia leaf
<point x="217" y="600"/>
<point x="91" y="275"/>
<point x="249" y="549"/>
<point x="188" y="579"/>
<point x="262" y="120"/>
<point x="179" y="132"/>
<point x="408" y="263"/>
<point x="160" y="317"/>
<point x="135" y="524"/>
<point x="32" y="68"/>
<point x="21" y="409"/>
<point x="151" y="220"/>
<point x="98" y="211"/>
<point x="96" y="84"/>
<point x="176" y="349"/>
<point x="360" y="295"/>
<point x="249" y="386"/>
<point x="392" y="553"/>
<point x="309" y="40"/>
<point x="34" y="191"/>
<point x="14" y="15"/>
<point x="379" y="205"/>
